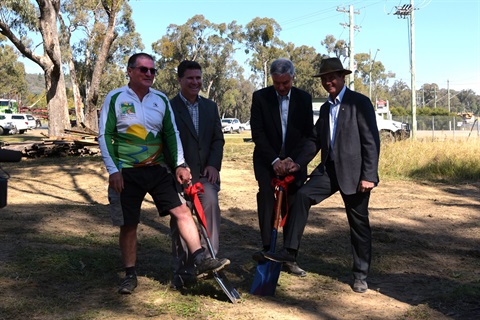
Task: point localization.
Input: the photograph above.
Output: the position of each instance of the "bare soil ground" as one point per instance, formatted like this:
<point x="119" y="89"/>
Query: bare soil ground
<point x="59" y="256"/>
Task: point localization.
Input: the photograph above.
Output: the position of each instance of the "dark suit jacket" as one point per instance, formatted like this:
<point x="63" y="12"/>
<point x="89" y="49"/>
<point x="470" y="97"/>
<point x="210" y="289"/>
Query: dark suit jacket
<point x="206" y="148"/>
<point x="357" y="142"/>
<point x="266" y="129"/>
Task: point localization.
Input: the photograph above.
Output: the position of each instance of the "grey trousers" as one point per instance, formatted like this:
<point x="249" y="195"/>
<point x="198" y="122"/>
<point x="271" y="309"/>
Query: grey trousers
<point x="182" y="260"/>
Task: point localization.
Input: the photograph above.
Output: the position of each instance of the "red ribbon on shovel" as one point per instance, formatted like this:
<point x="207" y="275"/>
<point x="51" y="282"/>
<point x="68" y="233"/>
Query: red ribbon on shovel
<point x="192" y="191"/>
<point x="277" y="183"/>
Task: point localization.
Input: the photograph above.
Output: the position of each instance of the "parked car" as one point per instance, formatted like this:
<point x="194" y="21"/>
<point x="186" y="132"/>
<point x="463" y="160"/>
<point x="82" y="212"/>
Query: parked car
<point x="246" y="125"/>
<point x="231" y="125"/>
<point x="22" y="121"/>
<point x="6" y="125"/>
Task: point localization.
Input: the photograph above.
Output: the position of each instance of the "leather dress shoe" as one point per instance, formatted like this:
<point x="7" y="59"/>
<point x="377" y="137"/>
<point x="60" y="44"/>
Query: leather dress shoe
<point x="293" y="268"/>
<point x="281" y="256"/>
<point x="360" y="286"/>
<point x="259" y="256"/>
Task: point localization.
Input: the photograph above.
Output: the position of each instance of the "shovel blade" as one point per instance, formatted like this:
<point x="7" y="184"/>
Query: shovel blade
<point x="266" y="278"/>
<point x="226" y="286"/>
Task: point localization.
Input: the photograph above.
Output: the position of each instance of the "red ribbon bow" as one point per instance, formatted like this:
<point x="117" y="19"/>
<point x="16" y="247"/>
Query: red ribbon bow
<point x="192" y="191"/>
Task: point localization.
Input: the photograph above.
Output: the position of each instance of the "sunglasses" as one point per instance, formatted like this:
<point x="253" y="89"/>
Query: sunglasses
<point x="145" y="69"/>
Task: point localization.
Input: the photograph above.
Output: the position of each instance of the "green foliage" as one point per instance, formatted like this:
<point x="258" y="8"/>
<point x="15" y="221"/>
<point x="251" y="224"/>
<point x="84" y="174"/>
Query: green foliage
<point x="12" y="73"/>
<point x="399" y="111"/>
<point x="213" y="46"/>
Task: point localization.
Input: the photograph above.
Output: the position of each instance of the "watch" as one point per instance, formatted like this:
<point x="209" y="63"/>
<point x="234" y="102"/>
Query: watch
<point x="182" y="165"/>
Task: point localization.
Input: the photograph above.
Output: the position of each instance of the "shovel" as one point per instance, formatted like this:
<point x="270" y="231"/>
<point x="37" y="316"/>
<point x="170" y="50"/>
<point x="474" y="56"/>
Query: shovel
<point x="267" y="272"/>
<point x="227" y="287"/>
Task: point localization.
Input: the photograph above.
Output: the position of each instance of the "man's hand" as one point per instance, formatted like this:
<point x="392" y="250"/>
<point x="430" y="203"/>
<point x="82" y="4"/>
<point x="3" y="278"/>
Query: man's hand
<point x="291" y="166"/>
<point x="285" y="167"/>
<point x="279" y="168"/>
<point x="115" y="181"/>
<point x="183" y="175"/>
<point x="365" y="186"/>
<point x="211" y="173"/>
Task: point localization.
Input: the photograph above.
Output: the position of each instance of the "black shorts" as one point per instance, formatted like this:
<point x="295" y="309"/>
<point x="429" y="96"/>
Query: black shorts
<point x="154" y="180"/>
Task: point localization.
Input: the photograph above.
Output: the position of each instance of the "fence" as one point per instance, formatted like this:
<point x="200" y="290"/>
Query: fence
<point x="446" y="126"/>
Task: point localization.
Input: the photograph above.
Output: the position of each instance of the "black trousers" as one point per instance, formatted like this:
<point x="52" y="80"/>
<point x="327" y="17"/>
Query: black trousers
<point x="319" y="187"/>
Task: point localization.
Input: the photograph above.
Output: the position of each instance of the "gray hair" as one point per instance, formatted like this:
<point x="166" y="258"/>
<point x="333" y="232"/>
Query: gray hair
<point x="282" y="66"/>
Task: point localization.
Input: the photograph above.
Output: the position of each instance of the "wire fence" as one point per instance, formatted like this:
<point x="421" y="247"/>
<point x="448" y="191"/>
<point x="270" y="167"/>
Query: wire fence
<point x="444" y="126"/>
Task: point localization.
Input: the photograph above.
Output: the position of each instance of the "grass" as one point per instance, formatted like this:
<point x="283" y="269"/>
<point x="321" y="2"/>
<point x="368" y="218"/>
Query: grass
<point x="437" y="161"/>
<point x="422" y="160"/>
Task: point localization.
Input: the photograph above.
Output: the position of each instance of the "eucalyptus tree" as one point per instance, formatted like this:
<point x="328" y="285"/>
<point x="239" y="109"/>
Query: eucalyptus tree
<point x="304" y="59"/>
<point x="18" y="19"/>
<point x="469" y="101"/>
<point x="13" y="83"/>
<point x="372" y="76"/>
<point x="109" y="38"/>
<point x="430" y="94"/>
<point x="400" y="95"/>
<point x="212" y="45"/>
<point x="22" y="20"/>
<point x="338" y="48"/>
<point x="263" y="42"/>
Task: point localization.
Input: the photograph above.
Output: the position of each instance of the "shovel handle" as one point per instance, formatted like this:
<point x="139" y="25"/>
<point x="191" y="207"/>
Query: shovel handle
<point x="278" y="209"/>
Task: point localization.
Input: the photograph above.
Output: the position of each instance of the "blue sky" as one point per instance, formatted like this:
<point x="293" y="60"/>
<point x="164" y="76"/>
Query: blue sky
<point x="447" y="33"/>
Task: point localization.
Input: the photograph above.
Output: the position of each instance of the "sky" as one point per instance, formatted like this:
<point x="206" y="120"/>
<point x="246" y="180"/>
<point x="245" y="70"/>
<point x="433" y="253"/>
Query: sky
<point x="446" y="33"/>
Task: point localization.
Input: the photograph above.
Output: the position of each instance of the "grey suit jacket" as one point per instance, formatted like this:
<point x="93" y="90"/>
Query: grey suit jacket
<point x="205" y="148"/>
<point x="357" y="142"/>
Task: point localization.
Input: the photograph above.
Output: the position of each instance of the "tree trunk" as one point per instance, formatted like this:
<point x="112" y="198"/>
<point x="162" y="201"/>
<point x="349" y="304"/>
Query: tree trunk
<point x="77" y="98"/>
<point x="56" y="95"/>
<point x="91" y="116"/>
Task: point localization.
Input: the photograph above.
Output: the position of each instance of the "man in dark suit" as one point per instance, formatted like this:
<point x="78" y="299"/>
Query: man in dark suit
<point x="281" y="120"/>
<point x="200" y="128"/>
<point x="346" y="133"/>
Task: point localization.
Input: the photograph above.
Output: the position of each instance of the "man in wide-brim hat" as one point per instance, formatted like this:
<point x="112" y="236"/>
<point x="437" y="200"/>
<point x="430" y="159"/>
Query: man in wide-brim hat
<point x="347" y="135"/>
<point x="330" y="65"/>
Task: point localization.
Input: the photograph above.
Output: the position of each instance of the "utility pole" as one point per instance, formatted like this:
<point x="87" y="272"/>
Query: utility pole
<point x="370" y="72"/>
<point x="403" y="12"/>
<point x="351" y="55"/>
<point x="448" y="95"/>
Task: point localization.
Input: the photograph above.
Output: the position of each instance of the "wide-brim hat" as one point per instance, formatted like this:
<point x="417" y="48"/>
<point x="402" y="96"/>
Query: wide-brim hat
<point x="330" y="65"/>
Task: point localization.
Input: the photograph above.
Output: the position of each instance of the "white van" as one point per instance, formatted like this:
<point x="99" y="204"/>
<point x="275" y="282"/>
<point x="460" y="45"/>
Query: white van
<point x="22" y="122"/>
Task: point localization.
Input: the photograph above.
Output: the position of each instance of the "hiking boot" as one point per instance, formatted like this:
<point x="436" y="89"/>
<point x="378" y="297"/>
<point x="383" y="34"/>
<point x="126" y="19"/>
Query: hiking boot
<point x="129" y="284"/>
<point x="210" y="265"/>
<point x="184" y="280"/>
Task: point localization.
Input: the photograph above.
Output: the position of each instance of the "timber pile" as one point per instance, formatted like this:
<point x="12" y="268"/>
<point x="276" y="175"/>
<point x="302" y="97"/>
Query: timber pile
<point x="75" y="143"/>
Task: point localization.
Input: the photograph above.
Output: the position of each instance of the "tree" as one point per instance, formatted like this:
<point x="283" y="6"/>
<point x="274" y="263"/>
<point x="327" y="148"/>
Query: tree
<point x="17" y="17"/>
<point x="304" y="59"/>
<point x="338" y="48"/>
<point x="211" y="45"/>
<point x="104" y="36"/>
<point x="13" y="83"/>
<point x="400" y="93"/>
<point x="98" y="18"/>
<point x="468" y="100"/>
<point x="261" y="36"/>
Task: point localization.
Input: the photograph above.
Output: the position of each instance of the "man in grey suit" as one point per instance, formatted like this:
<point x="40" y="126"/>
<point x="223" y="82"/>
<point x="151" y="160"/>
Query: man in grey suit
<point x="200" y="128"/>
<point x="347" y="135"/>
<point x="281" y="120"/>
